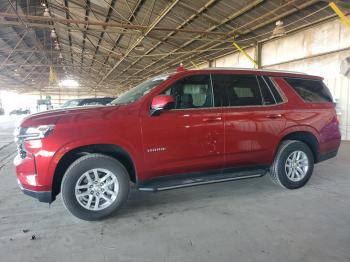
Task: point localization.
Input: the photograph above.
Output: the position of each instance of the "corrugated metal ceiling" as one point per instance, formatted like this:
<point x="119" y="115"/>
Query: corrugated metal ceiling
<point x="106" y="57"/>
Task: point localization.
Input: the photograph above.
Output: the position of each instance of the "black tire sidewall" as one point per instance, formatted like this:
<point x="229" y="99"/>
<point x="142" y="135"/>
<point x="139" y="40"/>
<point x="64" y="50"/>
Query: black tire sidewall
<point x="282" y="176"/>
<point x="78" y="168"/>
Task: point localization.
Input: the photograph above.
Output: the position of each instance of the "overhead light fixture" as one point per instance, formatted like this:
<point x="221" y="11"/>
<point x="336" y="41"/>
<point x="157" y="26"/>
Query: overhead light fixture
<point x="279" y="30"/>
<point x="60" y="56"/>
<point x="345" y="66"/>
<point x="46" y="12"/>
<point x="57" y="46"/>
<point x="53" y="33"/>
<point x="140" y="47"/>
<point x="69" y="83"/>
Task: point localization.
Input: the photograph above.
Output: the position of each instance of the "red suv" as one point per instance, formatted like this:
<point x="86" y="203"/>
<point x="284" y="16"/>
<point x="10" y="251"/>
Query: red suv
<point x="177" y="130"/>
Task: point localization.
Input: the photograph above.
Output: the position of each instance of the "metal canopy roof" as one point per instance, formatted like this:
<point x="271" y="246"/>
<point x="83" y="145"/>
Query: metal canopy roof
<point x="110" y="45"/>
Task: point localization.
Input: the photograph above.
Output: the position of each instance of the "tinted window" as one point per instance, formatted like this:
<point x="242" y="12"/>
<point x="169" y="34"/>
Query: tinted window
<point x="310" y="90"/>
<point x="266" y="93"/>
<point x="235" y="90"/>
<point x="191" y="92"/>
<point x="273" y="89"/>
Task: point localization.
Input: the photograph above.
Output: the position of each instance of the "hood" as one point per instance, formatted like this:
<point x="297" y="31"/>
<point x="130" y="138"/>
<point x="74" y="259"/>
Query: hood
<point x="52" y="116"/>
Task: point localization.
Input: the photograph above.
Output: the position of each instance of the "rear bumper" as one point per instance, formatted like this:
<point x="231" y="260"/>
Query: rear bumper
<point x="42" y="196"/>
<point x="327" y="156"/>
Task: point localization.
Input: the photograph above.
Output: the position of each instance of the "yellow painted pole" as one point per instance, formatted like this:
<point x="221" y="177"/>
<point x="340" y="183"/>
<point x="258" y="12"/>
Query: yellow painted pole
<point x="342" y="16"/>
<point x="245" y="53"/>
<point x="194" y="64"/>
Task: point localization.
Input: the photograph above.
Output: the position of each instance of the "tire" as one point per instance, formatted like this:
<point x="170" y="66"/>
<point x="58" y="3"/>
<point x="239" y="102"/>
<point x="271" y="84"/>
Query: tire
<point x="107" y="196"/>
<point x="289" y="172"/>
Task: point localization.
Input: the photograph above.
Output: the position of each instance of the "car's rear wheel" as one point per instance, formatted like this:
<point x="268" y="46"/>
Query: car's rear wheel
<point x="95" y="186"/>
<point x="293" y="164"/>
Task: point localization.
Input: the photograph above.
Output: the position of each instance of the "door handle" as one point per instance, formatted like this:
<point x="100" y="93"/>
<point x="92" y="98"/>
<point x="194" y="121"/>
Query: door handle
<point x="211" y="119"/>
<point x="274" y="116"/>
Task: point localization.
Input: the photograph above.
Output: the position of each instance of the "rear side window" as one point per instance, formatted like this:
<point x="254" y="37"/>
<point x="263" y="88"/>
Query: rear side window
<point x="314" y="91"/>
<point x="266" y="93"/>
<point x="236" y="90"/>
<point x="273" y="89"/>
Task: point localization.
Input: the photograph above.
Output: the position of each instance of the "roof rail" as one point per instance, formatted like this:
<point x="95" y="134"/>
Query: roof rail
<point x="252" y="69"/>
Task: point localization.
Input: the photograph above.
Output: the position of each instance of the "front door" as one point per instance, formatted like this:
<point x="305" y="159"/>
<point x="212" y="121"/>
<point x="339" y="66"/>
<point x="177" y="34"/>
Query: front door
<point x="188" y="138"/>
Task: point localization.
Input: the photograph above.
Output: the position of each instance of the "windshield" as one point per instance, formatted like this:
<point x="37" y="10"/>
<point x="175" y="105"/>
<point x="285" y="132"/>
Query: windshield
<point x="139" y="91"/>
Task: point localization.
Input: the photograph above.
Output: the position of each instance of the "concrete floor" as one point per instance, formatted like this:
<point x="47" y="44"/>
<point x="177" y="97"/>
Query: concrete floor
<point x="248" y="220"/>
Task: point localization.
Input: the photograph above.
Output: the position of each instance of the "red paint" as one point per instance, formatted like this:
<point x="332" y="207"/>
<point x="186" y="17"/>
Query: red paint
<point x="179" y="141"/>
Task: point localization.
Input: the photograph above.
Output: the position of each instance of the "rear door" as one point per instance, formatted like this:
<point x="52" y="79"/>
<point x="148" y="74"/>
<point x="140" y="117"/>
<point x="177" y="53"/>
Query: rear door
<point x="253" y="118"/>
<point x="188" y="138"/>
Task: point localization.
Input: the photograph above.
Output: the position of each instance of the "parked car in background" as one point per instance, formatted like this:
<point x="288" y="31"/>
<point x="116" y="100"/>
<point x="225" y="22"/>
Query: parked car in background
<point x="87" y="102"/>
<point x="20" y="112"/>
<point x="178" y="130"/>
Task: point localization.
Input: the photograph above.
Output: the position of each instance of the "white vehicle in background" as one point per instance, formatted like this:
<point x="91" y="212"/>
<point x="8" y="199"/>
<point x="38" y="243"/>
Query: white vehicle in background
<point x="87" y="102"/>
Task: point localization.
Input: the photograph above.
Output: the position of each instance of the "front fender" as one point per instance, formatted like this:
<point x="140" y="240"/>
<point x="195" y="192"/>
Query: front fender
<point x="68" y="147"/>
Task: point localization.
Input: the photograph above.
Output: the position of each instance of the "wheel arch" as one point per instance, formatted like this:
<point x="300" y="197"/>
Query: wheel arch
<point x="72" y="155"/>
<point x="305" y="136"/>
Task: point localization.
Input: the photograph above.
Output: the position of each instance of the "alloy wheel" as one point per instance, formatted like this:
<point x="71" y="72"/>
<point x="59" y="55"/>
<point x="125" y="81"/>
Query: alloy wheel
<point x="97" y="189"/>
<point x="296" y="166"/>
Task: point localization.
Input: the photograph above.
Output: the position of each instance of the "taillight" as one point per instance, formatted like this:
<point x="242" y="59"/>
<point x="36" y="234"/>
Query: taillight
<point x="338" y="119"/>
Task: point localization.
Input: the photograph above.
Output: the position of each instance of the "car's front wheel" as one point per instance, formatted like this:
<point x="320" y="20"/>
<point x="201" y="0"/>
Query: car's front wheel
<point x="293" y="164"/>
<point x="95" y="186"/>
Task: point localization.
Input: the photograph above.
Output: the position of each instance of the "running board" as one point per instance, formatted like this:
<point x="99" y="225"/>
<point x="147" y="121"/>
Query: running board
<point x="180" y="181"/>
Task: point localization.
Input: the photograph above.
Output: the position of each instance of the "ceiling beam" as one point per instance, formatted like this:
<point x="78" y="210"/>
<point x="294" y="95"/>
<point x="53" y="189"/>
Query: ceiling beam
<point x="108" y="16"/>
<point x="160" y="17"/>
<point x="185" y="22"/>
<point x="109" y="24"/>
<point x="263" y="18"/>
<point x="87" y="13"/>
<point x="12" y="51"/>
<point x="241" y="11"/>
<point x="131" y="17"/>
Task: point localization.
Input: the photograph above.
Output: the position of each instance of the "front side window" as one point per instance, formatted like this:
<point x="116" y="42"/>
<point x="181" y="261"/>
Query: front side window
<point x="191" y="92"/>
<point x="139" y="91"/>
<point x="314" y="91"/>
<point x="236" y="90"/>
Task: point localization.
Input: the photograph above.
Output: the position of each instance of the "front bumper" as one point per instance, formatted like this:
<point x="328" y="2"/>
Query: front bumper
<point x="28" y="181"/>
<point x="42" y="196"/>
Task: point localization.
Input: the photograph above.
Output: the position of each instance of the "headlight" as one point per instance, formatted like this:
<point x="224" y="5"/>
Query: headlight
<point x="30" y="133"/>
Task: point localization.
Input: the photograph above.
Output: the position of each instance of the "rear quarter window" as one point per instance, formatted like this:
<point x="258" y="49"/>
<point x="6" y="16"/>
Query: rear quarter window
<point x="314" y="91"/>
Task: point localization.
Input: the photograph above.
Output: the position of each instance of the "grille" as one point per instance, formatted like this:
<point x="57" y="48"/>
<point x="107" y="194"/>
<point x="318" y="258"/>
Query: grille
<point x="22" y="153"/>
